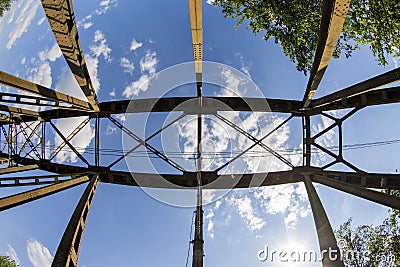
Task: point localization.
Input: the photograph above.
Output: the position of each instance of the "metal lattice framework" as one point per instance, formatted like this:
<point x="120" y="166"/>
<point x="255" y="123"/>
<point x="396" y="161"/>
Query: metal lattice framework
<point x="21" y="126"/>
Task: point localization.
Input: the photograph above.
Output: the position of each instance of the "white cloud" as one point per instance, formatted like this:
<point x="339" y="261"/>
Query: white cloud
<point x="233" y="82"/>
<point x="40" y="21"/>
<point x="41" y="73"/>
<point x="103" y="8"/>
<point x="210" y="2"/>
<point x="12" y="254"/>
<point x="149" y="62"/>
<point x="112" y="94"/>
<point x="135" y="45"/>
<point x="134" y="88"/>
<point x="127" y="66"/>
<point x="38" y="254"/>
<point x="51" y="54"/>
<point x="97" y="49"/>
<point x="110" y="130"/>
<point x="26" y="15"/>
<point x="23" y="60"/>
<point x="92" y="64"/>
<point x="244" y="68"/>
<point x="100" y="47"/>
<point x="87" y="25"/>
<point x="291" y="200"/>
<point x="247" y="213"/>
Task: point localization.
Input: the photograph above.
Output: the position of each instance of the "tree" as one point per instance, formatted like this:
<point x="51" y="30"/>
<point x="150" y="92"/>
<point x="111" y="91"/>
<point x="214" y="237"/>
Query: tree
<point x="5" y="261"/>
<point x="4" y="6"/>
<point x="371" y="246"/>
<point x="295" y="24"/>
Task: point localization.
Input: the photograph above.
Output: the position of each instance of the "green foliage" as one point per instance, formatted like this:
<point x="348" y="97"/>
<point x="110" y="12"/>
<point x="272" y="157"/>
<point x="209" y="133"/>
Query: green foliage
<point x="5" y="261"/>
<point x="295" y="24"/>
<point x="4" y="6"/>
<point x="377" y="246"/>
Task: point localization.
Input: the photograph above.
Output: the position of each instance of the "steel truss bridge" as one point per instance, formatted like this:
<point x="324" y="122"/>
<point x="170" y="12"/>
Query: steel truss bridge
<point x="23" y="126"/>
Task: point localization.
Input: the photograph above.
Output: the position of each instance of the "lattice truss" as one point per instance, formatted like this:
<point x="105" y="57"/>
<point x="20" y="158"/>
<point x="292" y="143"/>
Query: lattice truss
<point x="23" y="133"/>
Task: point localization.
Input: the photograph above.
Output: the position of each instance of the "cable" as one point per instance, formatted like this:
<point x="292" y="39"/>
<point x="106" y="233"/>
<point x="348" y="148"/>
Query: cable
<point x="190" y="238"/>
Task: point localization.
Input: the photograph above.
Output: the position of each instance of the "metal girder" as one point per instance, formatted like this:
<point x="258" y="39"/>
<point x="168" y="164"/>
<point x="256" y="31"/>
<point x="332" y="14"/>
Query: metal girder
<point x="377" y="197"/>
<point x="60" y="14"/>
<point x="376" y="97"/>
<point x="31" y="195"/>
<point x="209" y="106"/>
<point x="362" y="87"/>
<point x="370" y="98"/>
<point x="196" y="24"/>
<point x="326" y="237"/>
<point x="333" y="15"/>
<point x="16" y="112"/>
<point x="18" y="168"/>
<point x="35" y="180"/>
<point x="68" y="249"/>
<point x="188" y="179"/>
<point x="39" y="90"/>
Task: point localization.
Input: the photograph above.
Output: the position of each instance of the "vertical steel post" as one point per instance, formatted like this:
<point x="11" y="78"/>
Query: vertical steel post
<point x="43" y="139"/>
<point x="306" y="141"/>
<point x="96" y="143"/>
<point x="68" y="249"/>
<point x="330" y="252"/>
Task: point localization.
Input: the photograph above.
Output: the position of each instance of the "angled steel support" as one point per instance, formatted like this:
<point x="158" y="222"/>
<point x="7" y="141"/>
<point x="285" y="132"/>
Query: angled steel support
<point x="68" y="249"/>
<point x="377" y="197"/>
<point x="39" y="90"/>
<point x="147" y="145"/>
<point x="146" y="140"/>
<point x="255" y="144"/>
<point x="18" y="169"/>
<point x="362" y="87"/>
<point x="31" y="195"/>
<point x="326" y="237"/>
<point x="68" y="143"/>
<point x="333" y="15"/>
<point x="69" y="137"/>
<point x="255" y="140"/>
<point x="60" y="14"/>
<point x="29" y="138"/>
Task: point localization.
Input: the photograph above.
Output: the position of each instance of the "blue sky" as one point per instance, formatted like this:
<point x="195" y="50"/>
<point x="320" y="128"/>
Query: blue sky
<point x="124" y="43"/>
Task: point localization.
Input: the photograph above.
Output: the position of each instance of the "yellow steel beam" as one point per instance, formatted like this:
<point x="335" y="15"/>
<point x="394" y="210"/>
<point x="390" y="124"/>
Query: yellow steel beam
<point x="60" y="14"/>
<point x="196" y="23"/>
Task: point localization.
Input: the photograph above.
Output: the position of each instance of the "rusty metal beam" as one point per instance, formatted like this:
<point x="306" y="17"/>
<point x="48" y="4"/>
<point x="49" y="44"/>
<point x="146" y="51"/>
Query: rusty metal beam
<point x="15" y="111"/>
<point x="39" y="90"/>
<point x="326" y="237"/>
<point x="31" y="195"/>
<point x="196" y="25"/>
<point x="60" y="14"/>
<point x="18" y="168"/>
<point x="333" y="15"/>
<point x="362" y="87"/>
<point x="377" y="197"/>
<point x="68" y="249"/>
<point x="35" y="180"/>
<point x="188" y="179"/>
